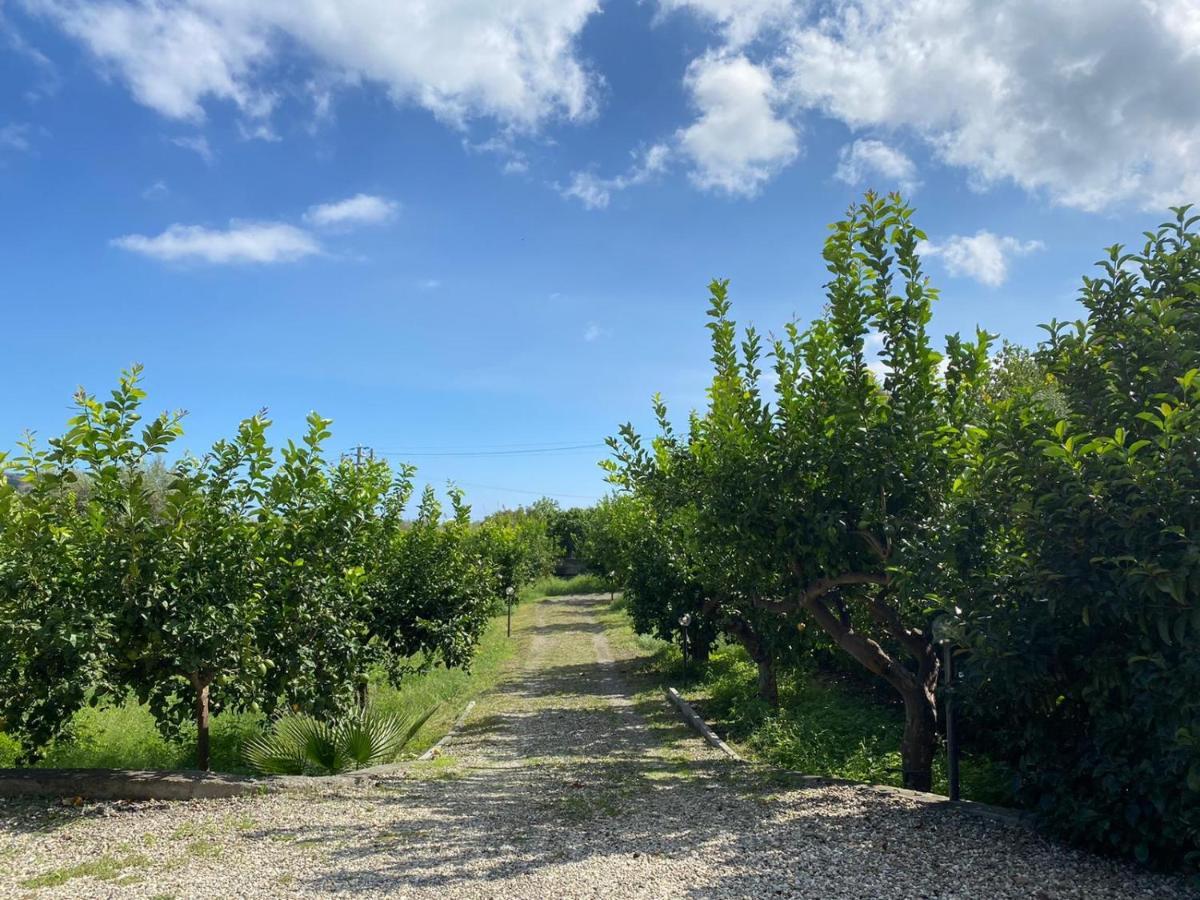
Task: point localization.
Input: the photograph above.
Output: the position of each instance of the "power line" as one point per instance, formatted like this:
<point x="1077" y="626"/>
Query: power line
<point x="518" y="445"/>
<point x="573" y="448"/>
<point x="493" y="487"/>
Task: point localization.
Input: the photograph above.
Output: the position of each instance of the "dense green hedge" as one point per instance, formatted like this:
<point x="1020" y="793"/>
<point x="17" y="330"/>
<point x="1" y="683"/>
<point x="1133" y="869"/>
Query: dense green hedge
<point x="1044" y="505"/>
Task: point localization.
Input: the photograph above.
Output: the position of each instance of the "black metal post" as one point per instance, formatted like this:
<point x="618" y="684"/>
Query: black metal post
<point x="951" y="732"/>
<point x="685" y="649"/>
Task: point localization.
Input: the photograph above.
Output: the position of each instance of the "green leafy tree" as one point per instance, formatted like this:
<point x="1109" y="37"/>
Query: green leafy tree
<point x="317" y="534"/>
<point x="1080" y="562"/>
<point x="434" y="593"/>
<point x="814" y="506"/>
<point x="644" y="554"/>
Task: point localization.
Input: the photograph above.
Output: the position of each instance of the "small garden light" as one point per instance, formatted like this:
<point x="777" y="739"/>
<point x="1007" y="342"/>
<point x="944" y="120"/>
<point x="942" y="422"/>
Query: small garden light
<point x="684" y="621"/>
<point x="944" y="634"/>
<point x="508" y="595"/>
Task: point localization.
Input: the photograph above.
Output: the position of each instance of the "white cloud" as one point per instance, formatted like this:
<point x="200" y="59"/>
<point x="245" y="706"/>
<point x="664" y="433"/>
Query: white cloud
<point x="242" y="242"/>
<point x="983" y="256"/>
<point x="361" y="209"/>
<point x="594" y="332"/>
<point x="513" y="62"/>
<point x="740" y="19"/>
<point x="198" y="144"/>
<point x="867" y="159"/>
<point x="15" y="136"/>
<point x="595" y="192"/>
<point x="156" y="191"/>
<point x="739" y="141"/>
<point x="1089" y="102"/>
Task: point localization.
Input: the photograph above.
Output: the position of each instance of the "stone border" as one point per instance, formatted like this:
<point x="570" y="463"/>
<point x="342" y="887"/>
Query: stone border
<point x="971" y="807"/>
<point x="127" y="784"/>
<point x="458" y="723"/>
<point x="693" y="719"/>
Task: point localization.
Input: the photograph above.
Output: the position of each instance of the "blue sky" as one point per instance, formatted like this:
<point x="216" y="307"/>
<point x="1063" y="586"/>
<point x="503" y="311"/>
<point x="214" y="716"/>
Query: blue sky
<point x="466" y="229"/>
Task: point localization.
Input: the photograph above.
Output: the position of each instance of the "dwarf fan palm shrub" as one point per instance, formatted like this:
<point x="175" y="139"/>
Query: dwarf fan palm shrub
<point x="304" y="745"/>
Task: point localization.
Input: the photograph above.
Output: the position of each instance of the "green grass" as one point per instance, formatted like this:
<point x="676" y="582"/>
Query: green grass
<point x="124" y="736"/>
<point x="449" y="689"/>
<point x="550" y="586"/>
<point x="104" y="868"/>
<point x="823" y="726"/>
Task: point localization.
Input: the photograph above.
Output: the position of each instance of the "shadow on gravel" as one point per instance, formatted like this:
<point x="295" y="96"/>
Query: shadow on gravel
<point x="611" y="784"/>
<point x="495" y="825"/>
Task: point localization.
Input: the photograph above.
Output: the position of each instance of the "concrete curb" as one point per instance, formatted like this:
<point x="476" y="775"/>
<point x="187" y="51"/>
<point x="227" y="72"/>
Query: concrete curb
<point x="693" y="719"/>
<point x="462" y="717"/>
<point x="126" y="784"/>
<point x="970" y="807"/>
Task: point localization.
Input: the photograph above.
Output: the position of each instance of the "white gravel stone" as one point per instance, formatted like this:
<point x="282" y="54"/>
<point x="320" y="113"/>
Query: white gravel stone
<point x="564" y="783"/>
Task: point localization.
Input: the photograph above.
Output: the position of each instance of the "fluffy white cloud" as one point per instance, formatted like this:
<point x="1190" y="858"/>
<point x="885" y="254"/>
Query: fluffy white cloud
<point x="983" y="256"/>
<point x="1091" y="102"/>
<point x="740" y="19"/>
<point x="867" y="159"/>
<point x="514" y="62"/>
<point x="739" y="141"/>
<point x="361" y="209"/>
<point x="242" y="242"/>
<point x="595" y="192"/>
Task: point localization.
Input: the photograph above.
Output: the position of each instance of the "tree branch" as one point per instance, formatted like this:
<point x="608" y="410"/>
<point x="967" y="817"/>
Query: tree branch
<point x="818" y="589"/>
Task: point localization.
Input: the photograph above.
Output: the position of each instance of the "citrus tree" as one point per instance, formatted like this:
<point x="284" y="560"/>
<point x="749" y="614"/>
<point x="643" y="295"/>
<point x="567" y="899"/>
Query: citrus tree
<point x="1080" y="560"/>
<point x="813" y="505"/>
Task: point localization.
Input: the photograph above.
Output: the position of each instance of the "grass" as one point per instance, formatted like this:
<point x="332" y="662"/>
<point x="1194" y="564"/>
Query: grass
<point x="823" y="726"/>
<point x="448" y="689"/>
<point x="550" y="586"/>
<point x="104" y="868"/>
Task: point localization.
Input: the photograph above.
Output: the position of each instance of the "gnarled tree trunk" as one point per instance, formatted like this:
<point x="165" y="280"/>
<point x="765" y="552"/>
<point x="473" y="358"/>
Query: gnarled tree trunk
<point x="917" y="689"/>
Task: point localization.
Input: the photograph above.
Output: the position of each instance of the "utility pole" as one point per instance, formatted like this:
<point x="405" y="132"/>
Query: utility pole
<point x="358" y="453"/>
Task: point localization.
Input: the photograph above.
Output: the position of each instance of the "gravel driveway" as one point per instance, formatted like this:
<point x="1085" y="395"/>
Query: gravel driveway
<point x="573" y="779"/>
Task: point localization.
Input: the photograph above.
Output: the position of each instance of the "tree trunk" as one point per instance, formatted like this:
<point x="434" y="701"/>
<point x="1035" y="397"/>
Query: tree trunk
<point x="360" y="693"/>
<point x="201" y="685"/>
<point x="768" y="687"/>
<point x="917" y="689"/>
<point x="700" y="651"/>
<point x="920" y="737"/>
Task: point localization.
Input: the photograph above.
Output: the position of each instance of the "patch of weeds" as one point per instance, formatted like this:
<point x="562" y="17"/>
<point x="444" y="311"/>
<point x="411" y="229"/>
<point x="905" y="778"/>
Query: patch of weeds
<point x="192" y="830"/>
<point x="283" y="837"/>
<point x="439" y="767"/>
<point x="104" y="868"/>
<point x="205" y="849"/>
<point x="241" y="823"/>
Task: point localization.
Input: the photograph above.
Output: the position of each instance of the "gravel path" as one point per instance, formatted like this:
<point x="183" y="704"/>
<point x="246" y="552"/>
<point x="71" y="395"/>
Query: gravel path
<point x="573" y="779"/>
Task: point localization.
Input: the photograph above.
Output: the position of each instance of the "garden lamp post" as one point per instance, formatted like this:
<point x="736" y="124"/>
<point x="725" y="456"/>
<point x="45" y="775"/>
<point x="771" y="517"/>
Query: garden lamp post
<point x="612" y="586"/>
<point x="508" y="596"/>
<point x="943" y="633"/>
<point x="684" y="621"/>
